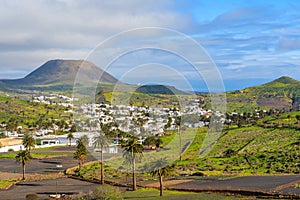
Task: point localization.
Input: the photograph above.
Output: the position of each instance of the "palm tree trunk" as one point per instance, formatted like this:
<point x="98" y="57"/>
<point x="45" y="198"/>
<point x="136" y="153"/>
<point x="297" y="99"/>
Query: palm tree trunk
<point x="180" y="148"/>
<point x="80" y="164"/>
<point x="102" y="167"/>
<point x="133" y="175"/>
<point x="70" y="142"/>
<point x="161" y="185"/>
<point x="23" y="178"/>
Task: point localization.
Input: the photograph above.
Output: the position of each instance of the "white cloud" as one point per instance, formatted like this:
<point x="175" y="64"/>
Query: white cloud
<point x="244" y="42"/>
<point x="63" y="28"/>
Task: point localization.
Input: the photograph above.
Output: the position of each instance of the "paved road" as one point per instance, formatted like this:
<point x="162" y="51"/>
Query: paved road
<point x="270" y="184"/>
<point x="279" y="184"/>
<point x="40" y="165"/>
<point x="44" y="188"/>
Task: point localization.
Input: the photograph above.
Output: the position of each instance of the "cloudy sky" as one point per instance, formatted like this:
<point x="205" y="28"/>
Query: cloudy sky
<point x="251" y="42"/>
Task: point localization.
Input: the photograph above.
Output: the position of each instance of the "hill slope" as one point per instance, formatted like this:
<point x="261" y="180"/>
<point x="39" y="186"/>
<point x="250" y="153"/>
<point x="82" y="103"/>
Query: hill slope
<point x="282" y="94"/>
<point x="59" y="75"/>
<point x="247" y="150"/>
<point x="159" y="89"/>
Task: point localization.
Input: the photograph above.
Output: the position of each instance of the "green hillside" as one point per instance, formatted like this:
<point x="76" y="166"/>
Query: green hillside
<point x="281" y="94"/>
<point x="271" y="146"/>
<point x="142" y="99"/>
<point x="15" y="112"/>
<point x="159" y="89"/>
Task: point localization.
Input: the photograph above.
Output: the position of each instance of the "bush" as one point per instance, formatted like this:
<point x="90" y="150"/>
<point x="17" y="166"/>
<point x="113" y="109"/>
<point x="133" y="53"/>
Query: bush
<point x="32" y="197"/>
<point x="105" y="192"/>
<point x="77" y="172"/>
<point x="297" y="185"/>
<point x="198" y="174"/>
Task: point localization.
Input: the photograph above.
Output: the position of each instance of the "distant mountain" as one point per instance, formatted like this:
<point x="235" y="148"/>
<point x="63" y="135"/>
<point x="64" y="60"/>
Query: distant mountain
<point x="59" y="75"/>
<point x="282" y="94"/>
<point x="159" y="89"/>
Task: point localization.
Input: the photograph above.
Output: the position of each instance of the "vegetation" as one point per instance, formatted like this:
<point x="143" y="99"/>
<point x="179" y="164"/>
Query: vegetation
<point x="28" y="142"/>
<point x="132" y="152"/>
<point x="4" y="184"/>
<point x="37" y="154"/>
<point x="253" y="141"/>
<point x="81" y="152"/>
<point x="242" y="149"/>
<point x="23" y="157"/>
<point x="153" y="141"/>
<point x="100" y="141"/>
<point x="102" y="192"/>
<point x="161" y="169"/>
<point x="297" y="185"/>
<point x="32" y="197"/>
<point x="246" y="150"/>
<point x="151" y="194"/>
<point x="70" y="137"/>
<point x="142" y="99"/>
<point x="15" y="112"/>
<point x="281" y="94"/>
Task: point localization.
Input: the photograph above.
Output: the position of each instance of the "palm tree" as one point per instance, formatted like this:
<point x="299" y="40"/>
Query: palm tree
<point x="70" y="137"/>
<point x="178" y="123"/>
<point x="100" y="141"/>
<point x="80" y="153"/>
<point x="85" y="140"/>
<point x="23" y="157"/>
<point x="132" y="152"/>
<point x="28" y="142"/>
<point x="161" y="169"/>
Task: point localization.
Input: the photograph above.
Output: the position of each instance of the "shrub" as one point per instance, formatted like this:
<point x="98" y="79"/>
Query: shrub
<point x="297" y="185"/>
<point x="105" y="192"/>
<point x="77" y="172"/>
<point x="32" y="197"/>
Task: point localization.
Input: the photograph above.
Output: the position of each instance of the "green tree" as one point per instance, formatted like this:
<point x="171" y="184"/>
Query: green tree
<point x="80" y="153"/>
<point x="132" y="152"/>
<point x="101" y="141"/>
<point x="161" y="169"/>
<point x="108" y="129"/>
<point x="23" y="157"/>
<point x="298" y="118"/>
<point x="28" y="142"/>
<point x="73" y="128"/>
<point x="70" y="137"/>
<point x="150" y="141"/>
<point x="85" y="140"/>
<point x="153" y="141"/>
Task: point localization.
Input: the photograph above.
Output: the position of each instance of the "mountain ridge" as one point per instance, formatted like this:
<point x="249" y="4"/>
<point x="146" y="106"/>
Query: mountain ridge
<point x="59" y="73"/>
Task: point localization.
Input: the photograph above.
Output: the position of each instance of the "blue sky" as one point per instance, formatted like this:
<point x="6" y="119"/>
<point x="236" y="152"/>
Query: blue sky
<point x="251" y="42"/>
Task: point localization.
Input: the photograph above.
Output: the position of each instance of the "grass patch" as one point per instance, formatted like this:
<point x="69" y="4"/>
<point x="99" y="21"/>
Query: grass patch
<point x="297" y="185"/>
<point x="153" y="194"/>
<point x="4" y="184"/>
<point x="37" y="155"/>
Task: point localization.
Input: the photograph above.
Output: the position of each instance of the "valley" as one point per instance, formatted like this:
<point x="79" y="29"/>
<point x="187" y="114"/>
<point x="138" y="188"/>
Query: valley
<point x="259" y="134"/>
